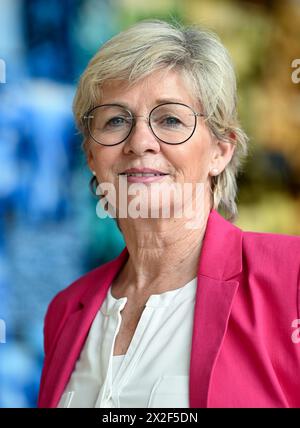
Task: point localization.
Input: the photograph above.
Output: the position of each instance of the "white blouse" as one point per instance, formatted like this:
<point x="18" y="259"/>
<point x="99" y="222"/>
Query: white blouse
<point x="154" y="372"/>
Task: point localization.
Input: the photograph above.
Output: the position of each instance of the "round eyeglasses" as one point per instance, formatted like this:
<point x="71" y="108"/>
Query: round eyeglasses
<point x="111" y="124"/>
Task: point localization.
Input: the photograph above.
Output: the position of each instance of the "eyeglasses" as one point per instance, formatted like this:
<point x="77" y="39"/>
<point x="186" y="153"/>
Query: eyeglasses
<point x="111" y="124"/>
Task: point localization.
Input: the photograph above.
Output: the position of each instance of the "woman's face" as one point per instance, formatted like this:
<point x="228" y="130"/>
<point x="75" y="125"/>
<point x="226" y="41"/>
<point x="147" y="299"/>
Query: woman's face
<point x="189" y="162"/>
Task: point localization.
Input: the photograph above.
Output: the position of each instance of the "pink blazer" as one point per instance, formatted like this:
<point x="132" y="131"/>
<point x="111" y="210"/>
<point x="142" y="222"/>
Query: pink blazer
<point x="246" y="332"/>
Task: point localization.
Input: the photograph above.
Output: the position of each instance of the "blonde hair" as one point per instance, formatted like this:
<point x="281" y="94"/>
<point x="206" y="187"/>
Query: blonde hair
<point x="205" y="64"/>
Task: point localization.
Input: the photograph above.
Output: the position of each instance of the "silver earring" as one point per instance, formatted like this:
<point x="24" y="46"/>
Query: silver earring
<point x="214" y="171"/>
<point x="94" y="172"/>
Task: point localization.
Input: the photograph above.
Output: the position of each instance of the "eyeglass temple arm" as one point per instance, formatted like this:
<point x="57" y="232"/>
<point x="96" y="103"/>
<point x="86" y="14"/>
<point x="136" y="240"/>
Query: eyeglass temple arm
<point x="86" y="117"/>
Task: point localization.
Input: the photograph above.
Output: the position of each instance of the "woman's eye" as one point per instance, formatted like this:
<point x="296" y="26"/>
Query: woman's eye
<point x="171" y="121"/>
<point x="116" y="121"/>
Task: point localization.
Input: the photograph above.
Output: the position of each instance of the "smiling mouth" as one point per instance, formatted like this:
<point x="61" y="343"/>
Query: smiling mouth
<point x="141" y="174"/>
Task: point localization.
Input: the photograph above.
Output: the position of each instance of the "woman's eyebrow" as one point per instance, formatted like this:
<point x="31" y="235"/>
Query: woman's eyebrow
<point x="156" y="102"/>
<point x="168" y="100"/>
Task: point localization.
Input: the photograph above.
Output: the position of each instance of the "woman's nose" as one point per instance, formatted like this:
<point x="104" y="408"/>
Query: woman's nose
<point x="141" y="139"/>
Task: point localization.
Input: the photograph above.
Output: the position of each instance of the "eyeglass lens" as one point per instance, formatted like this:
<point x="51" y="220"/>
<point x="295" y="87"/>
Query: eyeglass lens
<point x="171" y="123"/>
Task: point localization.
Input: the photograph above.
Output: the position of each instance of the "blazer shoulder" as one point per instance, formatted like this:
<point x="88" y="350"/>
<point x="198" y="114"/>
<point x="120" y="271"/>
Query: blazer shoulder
<point x="283" y="251"/>
<point x="272" y="240"/>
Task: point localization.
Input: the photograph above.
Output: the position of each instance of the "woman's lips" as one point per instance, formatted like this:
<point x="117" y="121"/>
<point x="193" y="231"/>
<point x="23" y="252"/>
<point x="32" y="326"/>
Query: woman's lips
<point x="144" y="178"/>
<point x="143" y="175"/>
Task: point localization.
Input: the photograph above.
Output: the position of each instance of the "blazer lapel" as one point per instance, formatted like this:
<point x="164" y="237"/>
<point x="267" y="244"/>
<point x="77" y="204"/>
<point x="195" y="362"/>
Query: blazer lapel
<point x="220" y="261"/>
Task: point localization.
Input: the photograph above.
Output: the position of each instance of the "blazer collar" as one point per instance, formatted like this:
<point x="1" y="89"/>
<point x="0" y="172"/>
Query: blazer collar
<point x="98" y="288"/>
<point x="221" y="253"/>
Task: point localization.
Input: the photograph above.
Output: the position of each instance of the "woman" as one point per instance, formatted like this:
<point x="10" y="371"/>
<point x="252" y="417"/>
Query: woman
<point x="194" y="312"/>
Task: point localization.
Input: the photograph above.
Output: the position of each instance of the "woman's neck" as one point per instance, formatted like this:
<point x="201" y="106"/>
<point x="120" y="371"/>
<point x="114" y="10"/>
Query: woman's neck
<point x="160" y="255"/>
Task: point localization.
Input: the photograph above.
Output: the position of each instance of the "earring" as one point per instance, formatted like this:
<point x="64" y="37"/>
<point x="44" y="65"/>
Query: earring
<point x="94" y="172"/>
<point x="214" y="171"/>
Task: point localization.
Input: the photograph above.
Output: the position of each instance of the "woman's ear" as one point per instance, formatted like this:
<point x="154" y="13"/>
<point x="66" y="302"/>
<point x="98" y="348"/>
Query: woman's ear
<point x="90" y="159"/>
<point x="222" y="154"/>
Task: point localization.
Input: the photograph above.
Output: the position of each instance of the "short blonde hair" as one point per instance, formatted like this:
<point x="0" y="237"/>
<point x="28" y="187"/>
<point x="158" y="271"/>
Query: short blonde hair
<point x="205" y="64"/>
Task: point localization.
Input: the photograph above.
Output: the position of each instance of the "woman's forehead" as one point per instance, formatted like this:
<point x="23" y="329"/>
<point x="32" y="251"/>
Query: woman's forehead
<point x="156" y="88"/>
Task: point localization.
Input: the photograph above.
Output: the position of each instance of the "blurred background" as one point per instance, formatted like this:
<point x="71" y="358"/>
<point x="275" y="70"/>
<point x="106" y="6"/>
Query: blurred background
<point x="49" y="231"/>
